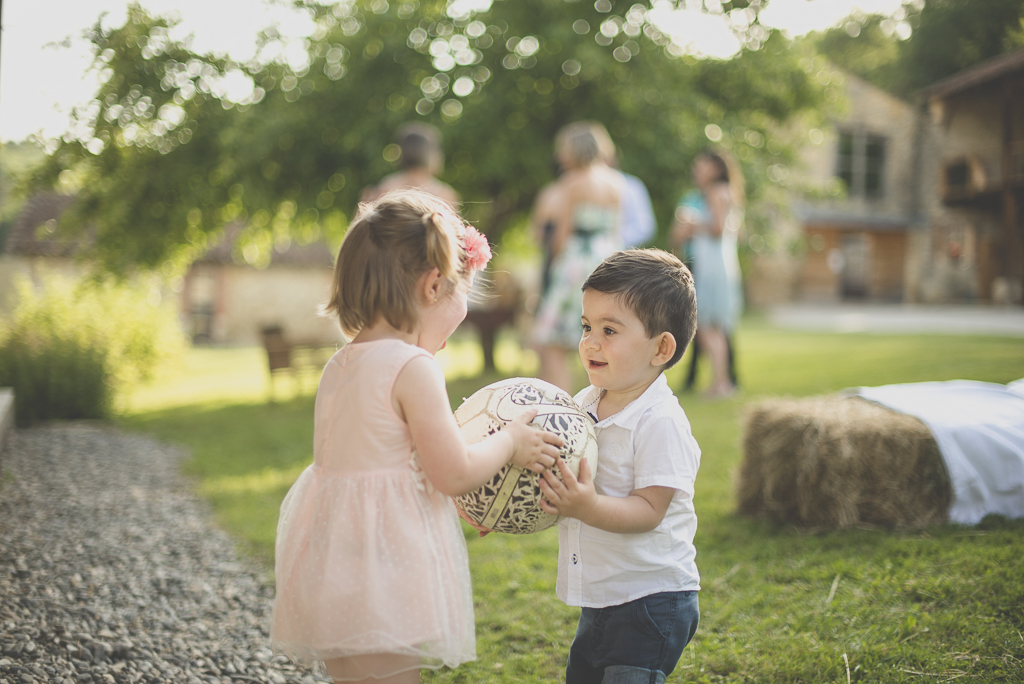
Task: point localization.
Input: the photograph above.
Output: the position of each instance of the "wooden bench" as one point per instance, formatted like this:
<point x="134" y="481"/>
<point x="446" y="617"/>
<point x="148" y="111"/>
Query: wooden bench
<point x="294" y="357"/>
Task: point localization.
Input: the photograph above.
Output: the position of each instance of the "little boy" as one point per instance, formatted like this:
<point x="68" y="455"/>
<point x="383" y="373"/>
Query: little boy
<point x="625" y="542"/>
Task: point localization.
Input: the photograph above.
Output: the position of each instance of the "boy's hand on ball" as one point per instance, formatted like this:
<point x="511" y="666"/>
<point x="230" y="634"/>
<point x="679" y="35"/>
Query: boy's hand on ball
<point x="480" y="529"/>
<point x="568" y="497"/>
<point x="532" y="448"/>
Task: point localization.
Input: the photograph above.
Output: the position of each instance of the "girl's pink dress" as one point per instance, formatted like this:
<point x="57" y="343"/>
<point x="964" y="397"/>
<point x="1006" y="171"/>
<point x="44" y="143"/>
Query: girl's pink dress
<point x="369" y="557"/>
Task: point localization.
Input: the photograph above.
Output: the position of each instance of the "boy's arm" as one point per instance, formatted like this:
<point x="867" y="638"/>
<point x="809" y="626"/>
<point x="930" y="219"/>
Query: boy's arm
<point x="641" y="511"/>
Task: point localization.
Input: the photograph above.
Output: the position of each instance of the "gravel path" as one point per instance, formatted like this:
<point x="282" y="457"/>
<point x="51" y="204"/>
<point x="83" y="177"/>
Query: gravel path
<point x="110" y="570"/>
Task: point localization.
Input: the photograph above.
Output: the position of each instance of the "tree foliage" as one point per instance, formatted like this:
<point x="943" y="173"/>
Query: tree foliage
<point x="948" y="36"/>
<point x="17" y="161"/>
<point x="163" y="159"/>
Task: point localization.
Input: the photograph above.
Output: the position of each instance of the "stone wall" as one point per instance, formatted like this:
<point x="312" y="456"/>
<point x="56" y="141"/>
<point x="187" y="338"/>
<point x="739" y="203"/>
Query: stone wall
<point x="289" y="297"/>
<point x="851" y="231"/>
<point x="244" y="299"/>
<point x="964" y="250"/>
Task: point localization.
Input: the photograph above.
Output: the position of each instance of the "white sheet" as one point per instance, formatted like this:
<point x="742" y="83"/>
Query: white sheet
<point x="979" y="427"/>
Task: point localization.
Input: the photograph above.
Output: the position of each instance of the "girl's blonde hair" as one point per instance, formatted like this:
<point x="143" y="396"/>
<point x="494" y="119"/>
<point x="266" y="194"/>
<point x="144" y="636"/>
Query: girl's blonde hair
<point x="390" y="244"/>
<point x="585" y="142"/>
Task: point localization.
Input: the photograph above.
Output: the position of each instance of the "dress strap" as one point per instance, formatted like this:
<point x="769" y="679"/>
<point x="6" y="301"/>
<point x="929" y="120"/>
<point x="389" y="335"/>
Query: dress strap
<point x="343" y="357"/>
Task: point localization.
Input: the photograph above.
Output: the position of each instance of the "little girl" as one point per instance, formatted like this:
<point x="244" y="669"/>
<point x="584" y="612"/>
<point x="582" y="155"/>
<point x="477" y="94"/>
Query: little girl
<point x="371" y="563"/>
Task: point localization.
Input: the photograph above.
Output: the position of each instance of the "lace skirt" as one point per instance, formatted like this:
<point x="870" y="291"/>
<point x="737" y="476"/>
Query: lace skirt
<point x="371" y="563"/>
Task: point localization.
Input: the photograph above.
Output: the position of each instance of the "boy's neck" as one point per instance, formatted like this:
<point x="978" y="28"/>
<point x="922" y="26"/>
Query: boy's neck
<point x="611" y="403"/>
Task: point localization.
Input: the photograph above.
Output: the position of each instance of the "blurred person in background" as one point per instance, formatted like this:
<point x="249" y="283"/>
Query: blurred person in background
<point x="580" y="213"/>
<point x="422" y="159"/>
<point x="542" y="219"/>
<point x="636" y="224"/>
<point x="691" y="208"/>
<point x="708" y="223"/>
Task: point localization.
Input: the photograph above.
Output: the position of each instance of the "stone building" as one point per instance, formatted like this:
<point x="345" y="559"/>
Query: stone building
<point x="225" y="300"/>
<point x="857" y="242"/>
<point x="933" y="190"/>
<point x="972" y="185"/>
<point x="221" y="299"/>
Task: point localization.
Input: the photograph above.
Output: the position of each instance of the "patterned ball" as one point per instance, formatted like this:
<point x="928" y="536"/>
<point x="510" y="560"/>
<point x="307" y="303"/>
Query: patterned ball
<point x="509" y="502"/>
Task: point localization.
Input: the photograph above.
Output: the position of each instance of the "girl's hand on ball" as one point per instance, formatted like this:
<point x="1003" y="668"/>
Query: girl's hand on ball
<point x="533" y="449"/>
<point x="568" y="497"/>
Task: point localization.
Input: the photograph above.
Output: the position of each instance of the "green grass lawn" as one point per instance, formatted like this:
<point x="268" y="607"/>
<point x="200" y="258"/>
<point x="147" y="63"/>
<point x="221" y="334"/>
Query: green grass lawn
<point x="778" y="604"/>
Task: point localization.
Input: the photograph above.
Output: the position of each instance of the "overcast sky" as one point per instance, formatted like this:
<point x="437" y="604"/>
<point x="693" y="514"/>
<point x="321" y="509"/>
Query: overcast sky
<point x="40" y="81"/>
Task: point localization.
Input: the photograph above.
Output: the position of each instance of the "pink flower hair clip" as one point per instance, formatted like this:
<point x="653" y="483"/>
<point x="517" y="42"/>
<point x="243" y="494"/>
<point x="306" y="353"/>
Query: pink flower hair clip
<point x="478" y="250"/>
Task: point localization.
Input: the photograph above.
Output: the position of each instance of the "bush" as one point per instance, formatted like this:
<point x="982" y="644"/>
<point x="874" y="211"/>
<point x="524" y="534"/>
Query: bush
<point x="54" y="378"/>
<point x="70" y="347"/>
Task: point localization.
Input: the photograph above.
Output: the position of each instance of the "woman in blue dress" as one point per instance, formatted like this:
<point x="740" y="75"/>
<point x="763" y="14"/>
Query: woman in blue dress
<point x="711" y="220"/>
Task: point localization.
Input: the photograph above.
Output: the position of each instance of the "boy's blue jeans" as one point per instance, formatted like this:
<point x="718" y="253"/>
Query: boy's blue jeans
<point x="634" y="643"/>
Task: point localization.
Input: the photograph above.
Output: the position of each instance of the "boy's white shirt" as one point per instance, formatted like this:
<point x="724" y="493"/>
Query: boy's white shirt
<point x="648" y="443"/>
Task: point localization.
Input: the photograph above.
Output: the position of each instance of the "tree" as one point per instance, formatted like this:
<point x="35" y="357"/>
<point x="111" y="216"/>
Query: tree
<point x="17" y="160"/>
<point x="862" y="47"/>
<point x="163" y="159"/>
<point x="147" y="156"/>
<point x="947" y="36"/>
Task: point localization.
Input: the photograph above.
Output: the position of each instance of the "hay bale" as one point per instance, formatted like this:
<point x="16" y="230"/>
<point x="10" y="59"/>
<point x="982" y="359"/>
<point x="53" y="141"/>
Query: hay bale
<point x="836" y="461"/>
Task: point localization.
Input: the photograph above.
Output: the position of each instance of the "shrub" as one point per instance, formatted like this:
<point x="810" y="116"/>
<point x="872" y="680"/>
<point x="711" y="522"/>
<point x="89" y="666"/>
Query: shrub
<point x="54" y="378"/>
<point x="71" y="346"/>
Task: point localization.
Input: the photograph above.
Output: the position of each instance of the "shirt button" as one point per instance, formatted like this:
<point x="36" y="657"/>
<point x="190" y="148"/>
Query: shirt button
<point x="575" y="559"/>
<point x="575" y="526"/>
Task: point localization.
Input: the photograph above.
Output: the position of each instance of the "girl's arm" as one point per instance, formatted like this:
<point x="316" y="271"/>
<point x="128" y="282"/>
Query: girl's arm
<point x="719" y="199"/>
<point x="562" y="216"/>
<point x="542" y="209"/>
<point x="641" y="511"/>
<point x="452" y="466"/>
<point x="682" y="227"/>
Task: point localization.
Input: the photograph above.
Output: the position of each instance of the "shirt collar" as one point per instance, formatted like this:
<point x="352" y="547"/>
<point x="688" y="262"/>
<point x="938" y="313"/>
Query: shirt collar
<point x="628" y="417"/>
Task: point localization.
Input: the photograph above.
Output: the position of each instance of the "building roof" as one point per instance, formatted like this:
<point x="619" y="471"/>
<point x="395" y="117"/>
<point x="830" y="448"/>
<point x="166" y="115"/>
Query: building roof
<point x="34" y="234"/>
<point x="290" y="253"/>
<point x="854" y="220"/>
<point x="990" y="70"/>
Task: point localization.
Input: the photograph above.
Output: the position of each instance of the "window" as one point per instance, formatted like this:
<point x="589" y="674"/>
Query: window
<point x="963" y="177"/>
<point x="860" y="161"/>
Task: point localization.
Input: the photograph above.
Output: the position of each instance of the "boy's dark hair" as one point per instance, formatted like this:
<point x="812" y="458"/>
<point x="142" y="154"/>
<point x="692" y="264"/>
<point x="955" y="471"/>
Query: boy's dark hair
<point x="657" y="287"/>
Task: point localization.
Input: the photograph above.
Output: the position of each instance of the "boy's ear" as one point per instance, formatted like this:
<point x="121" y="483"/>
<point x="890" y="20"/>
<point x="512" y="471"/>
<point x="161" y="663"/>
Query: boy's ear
<point x="666" y="348"/>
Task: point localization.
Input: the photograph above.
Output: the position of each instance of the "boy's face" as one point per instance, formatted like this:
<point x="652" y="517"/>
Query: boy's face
<point x="615" y="349"/>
